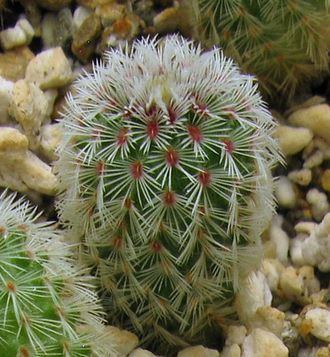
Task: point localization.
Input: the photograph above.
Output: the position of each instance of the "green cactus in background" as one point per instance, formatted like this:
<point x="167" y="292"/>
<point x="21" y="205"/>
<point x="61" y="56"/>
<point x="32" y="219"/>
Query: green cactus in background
<point x="284" y="43"/>
<point x="47" y="306"/>
<point x="165" y="176"/>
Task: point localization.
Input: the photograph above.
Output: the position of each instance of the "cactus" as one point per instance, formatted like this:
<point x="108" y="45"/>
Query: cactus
<point x="47" y="306"/>
<point x="283" y="42"/>
<point x="164" y="171"/>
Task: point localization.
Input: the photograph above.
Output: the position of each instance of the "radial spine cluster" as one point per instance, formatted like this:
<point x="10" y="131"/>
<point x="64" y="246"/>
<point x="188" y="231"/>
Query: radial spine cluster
<point x="165" y="178"/>
<point x="47" y="304"/>
<point x="283" y="42"/>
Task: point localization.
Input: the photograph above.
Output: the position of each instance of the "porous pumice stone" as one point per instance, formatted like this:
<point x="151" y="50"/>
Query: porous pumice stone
<point x="165" y="178"/>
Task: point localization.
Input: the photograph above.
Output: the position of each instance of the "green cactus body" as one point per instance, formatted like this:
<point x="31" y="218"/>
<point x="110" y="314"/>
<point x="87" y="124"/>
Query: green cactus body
<point x="284" y="42"/>
<point x="165" y="177"/>
<point x="47" y="306"/>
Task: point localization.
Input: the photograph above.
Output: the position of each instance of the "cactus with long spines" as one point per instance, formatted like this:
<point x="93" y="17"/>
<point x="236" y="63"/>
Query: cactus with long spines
<point x="285" y="43"/>
<point x="165" y="176"/>
<point x="47" y="303"/>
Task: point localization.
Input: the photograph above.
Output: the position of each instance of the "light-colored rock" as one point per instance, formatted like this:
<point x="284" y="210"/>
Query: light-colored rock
<point x="312" y="245"/>
<point x="297" y="284"/>
<point x="79" y="16"/>
<point x="285" y="193"/>
<point x="56" y="28"/>
<point x="325" y="180"/>
<point x="315" y="118"/>
<point x="301" y="177"/>
<point x="110" y="12"/>
<point x="253" y="293"/>
<point x="139" y="352"/>
<point x="280" y="239"/>
<point x="320" y="323"/>
<point x="231" y="351"/>
<point x="270" y="319"/>
<point x="49" y="69"/>
<point x="292" y="140"/>
<point x="235" y="334"/>
<point x="261" y="343"/>
<point x="13" y="63"/>
<point x="198" y="351"/>
<point x="6" y="89"/>
<point x="50" y="139"/>
<point x="314" y="160"/>
<point x="167" y="20"/>
<point x="272" y="269"/>
<point x="319" y="203"/>
<point x="21" y="34"/>
<point x="29" y="107"/>
<point x="20" y="169"/>
<point x="125" y="341"/>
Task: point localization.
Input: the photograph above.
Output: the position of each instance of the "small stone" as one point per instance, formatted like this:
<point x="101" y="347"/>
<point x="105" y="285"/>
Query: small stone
<point x="20" y="169"/>
<point x="110" y="13"/>
<point x="231" y="351"/>
<point x="319" y="203"/>
<point x="270" y="319"/>
<point x="314" y="160"/>
<point x="315" y="118"/>
<point x="125" y="341"/>
<point x="301" y="177"/>
<point x="33" y="15"/>
<point x="139" y="352"/>
<point x="57" y="28"/>
<point x="292" y="140"/>
<point x="29" y="107"/>
<point x="79" y="16"/>
<point x="325" y="180"/>
<point x="13" y="63"/>
<point x="19" y="35"/>
<point x="261" y="343"/>
<point x="50" y="139"/>
<point x="320" y="323"/>
<point x="235" y="334"/>
<point x="285" y="193"/>
<point x="91" y="4"/>
<point x="280" y="239"/>
<point x="198" y="351"/>
<point x="6" y="89"/>
<point x="167" y="20"/>
<point x="53" y="5"/>
<point x="84" y="38"/>
<point x="127" y="27"/>
<point x="49" y="69"/>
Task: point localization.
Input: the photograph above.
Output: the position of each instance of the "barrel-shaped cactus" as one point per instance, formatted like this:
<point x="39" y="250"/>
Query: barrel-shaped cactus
<point x="284" y="42"/>
<point x="47" y="304"/>
<point x="165" y="176"/>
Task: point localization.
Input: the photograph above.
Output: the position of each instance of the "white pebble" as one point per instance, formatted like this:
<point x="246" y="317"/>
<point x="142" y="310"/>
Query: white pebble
<point x="261" y="343"/>
<point x="320" y="321"/>
<point x="285" y="193"/>
<point x="301" y="177"/>
<point x="6" y="90"/>
<point x="319" y="203"/>
<point x="198" y="351"/>
<point x="19" y="35"/>
<point x="139" y="352"/>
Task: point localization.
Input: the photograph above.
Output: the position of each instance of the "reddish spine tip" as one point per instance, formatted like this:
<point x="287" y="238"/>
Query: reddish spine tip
<point x="117" y="242"/>
<point x="172" y="157"/>
<point x="128" y="203"/>
<point x="229" y="146"/>
<point x="172" y="115"/>
<point x="137" y="170"/>
<point x="100" y="166"/>
<point x="205" y="178"/>
<point x="24" y="352"/>
<point x="122" y="136"/>
<point x="156" y="247"/>
<point x="152" y="129"/>
<point x="169" y="198"/>
<point x="11" y="286"/>
<point x="195" y="133"/>
<point x="151" y="111"/>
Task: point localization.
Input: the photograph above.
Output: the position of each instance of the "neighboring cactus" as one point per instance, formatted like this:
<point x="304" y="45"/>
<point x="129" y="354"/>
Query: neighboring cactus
<point x="47" y="306"/>
<point x="165" y="172"/>
<point x="284" y="42"/>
